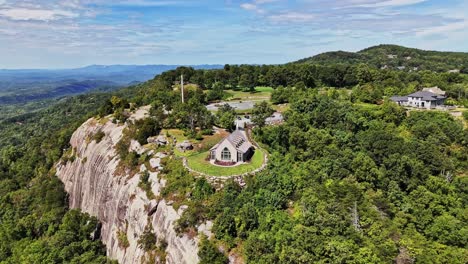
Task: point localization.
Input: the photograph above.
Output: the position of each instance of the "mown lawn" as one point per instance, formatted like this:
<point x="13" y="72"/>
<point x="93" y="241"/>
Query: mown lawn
<point x="264" y="89"/>
<point x="367" y="106"/>
<point x="281" y="108"/>
<point x="260" y="94"/>
<point x="199" y="163"/>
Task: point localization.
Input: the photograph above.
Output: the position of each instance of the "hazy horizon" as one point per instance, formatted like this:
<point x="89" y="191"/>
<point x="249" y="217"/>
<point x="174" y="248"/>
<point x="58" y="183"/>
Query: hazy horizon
<point x="107" y="65"/>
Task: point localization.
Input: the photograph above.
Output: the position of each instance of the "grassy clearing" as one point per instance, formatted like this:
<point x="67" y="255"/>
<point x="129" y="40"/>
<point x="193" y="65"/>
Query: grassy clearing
<point x="261" y="93"/>
<point x="189" y="86"/>
<point x="367" y="106"/>
<point x="177" y="133"/>
<point x="205" y="144"/>
<point x="209" y="141"/>
<point x="281" y="107"/>
<point x="199" y="163"/>
<point x="264" y="89"/>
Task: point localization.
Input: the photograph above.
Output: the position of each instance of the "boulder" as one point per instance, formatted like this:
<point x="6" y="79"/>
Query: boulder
<point x="135" y="146"/>
<point x="155" y="163"/>
<point x="161" y="155"/>
<point x="186" y="145"/>
<point x="158" y="140"/>
<point x="152" y="140"/>
<point x="161" y="140"/>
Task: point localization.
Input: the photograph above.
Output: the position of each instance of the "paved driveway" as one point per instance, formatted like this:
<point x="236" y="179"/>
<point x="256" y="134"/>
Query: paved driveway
<point x="244" y="105"/>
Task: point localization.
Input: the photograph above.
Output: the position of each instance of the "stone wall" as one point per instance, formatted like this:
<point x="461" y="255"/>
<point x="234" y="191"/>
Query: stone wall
<point x="219" y="181"/>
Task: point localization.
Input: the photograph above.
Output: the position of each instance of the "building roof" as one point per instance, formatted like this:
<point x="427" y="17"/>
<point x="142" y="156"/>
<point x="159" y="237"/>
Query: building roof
<point x="435" y="90"/>
<point x="399" y="98"/>
<point x="426" y="96"/>
<point x="238" y="139"/>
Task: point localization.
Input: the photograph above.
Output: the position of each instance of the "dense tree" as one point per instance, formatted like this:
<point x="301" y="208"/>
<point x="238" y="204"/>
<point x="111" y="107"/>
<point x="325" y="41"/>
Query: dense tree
<point x="146" y="128"/>
<point x="34" y="224"/>
<point x="261" y="112"/>
<point x="247" y="81"/>
<point x="342" y="181"/>
<point x="209" y="254"/>
<point x="226" y="116"/>
<point x="191" y="114"/>
<point x="373" y="83"/>
<point x="216" y="93"/>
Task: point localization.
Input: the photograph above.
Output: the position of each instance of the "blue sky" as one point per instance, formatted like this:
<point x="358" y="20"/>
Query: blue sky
<point x="65" y="34"/>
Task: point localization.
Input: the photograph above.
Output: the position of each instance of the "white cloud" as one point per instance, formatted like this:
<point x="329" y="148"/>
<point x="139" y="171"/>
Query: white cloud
<point x="296" y="17"/>
<point x="142" y="3"/>
<point x="256" y="5"/>
<point x="248" y="6"/>
<point x="390" y="3"/>
<point x="444" y="29"/>
<point x="265" y="1"/>
<point x="253" y="7"/>
<point x="36" y="14"/>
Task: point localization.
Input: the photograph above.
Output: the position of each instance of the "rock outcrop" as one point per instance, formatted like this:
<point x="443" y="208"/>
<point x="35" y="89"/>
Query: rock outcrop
<point x="116" y="200"/>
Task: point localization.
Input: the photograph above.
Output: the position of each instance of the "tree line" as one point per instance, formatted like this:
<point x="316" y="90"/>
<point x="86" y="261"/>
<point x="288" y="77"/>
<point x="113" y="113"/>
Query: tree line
<point x="368" y="83"/>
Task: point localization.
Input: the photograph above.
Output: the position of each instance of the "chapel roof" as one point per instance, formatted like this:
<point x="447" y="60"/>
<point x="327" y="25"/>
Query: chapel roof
<point x="238" y="139"/>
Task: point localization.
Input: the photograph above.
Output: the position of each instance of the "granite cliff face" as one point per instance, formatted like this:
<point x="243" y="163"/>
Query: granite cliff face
<point x="116" y="200"/>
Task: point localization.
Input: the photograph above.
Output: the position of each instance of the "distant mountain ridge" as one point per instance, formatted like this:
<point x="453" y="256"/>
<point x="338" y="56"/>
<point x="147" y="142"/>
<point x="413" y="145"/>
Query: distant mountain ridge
<point x="26" y="85"/>
<point x="120" y="74"/>
<point x="72" y="88"/>
<point x="397" y="58"/>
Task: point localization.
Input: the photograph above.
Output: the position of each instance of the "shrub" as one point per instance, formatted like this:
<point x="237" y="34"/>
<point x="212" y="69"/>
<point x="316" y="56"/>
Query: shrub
<point x="191" y="217"/>
<point x="145" y="185"/>
<point x="199" y="136"/>
<point x="207" y="132"/>
<point x="98" y="136"/>
<point x="209" y="254"/>
<point x="145" y="129"/>
<point x="122" y="239"/>
<point x="147" y="240"/>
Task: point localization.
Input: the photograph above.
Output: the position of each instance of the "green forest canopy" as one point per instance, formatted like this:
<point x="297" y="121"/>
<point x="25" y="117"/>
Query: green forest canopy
<point x="393" y="56"/>
<point x="344" y="184"/>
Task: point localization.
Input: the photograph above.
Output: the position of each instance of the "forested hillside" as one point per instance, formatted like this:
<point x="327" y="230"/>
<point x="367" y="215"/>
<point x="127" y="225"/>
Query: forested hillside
<point x="35" y="225"/>
<point x="351" y="185"/>
<point x="396" y="57"/>
<point x="347" y="182"/>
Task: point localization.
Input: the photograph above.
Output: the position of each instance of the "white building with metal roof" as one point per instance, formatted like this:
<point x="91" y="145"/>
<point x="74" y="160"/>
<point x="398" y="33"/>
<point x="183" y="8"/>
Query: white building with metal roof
<point x="233" y="149"/>
<point x="428" y="98"/>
